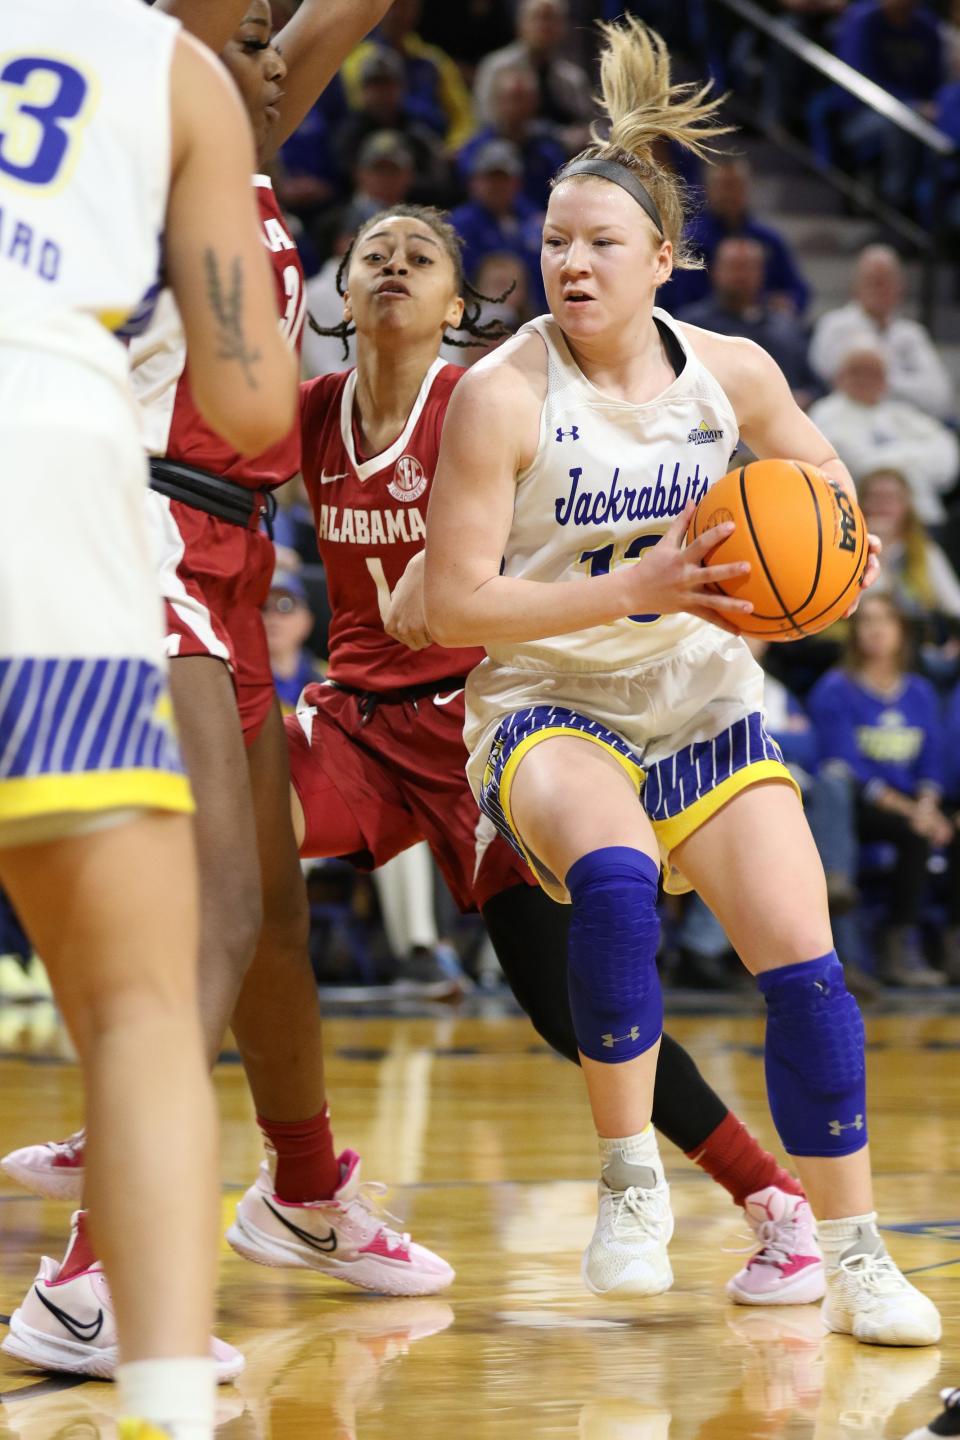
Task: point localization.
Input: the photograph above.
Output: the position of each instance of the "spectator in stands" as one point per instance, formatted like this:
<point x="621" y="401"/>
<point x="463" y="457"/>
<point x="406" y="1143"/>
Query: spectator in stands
<point x="951" y="935"/>
<point x="497" y="218"/>
<point x="873" y="431"/>
<point x="288" y="621"/>
<point x="514" y="97"/>
<point x="883" y="722"/>
<point x="915" y="571"/>
<point x="384" y="174"/>
<point x="384" y="106"/>
<point x="915" y="371"/>
<point x="436" y="93"/>
<point x="323" y="354"/>
<point x="736" y="306"/>
<point x="897" y="44"/>
<point x="727" y="213"/>
<point x="566" y="97"/>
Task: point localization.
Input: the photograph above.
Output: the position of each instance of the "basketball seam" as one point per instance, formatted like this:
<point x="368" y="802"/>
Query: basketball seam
<point x="788" y="614"/>
<point x="810" y="619"/>
<point x="816" y="574"/>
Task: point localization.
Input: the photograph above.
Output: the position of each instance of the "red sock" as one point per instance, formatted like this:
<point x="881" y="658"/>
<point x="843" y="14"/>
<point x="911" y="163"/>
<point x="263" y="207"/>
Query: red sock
<point x="80" y="1253"/>
<point x="307" y="1168"/>
<point x="732" y="1157"/>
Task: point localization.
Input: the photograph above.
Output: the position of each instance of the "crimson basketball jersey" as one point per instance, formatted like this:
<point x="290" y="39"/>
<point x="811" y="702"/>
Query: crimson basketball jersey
<point x="371" y="520"/>
<point x="174" y="427"/>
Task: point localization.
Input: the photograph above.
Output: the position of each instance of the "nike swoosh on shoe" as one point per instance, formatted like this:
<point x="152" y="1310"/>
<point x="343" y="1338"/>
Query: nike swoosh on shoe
<point x="87" y="1330"/>
<point x="327" y="1244"/>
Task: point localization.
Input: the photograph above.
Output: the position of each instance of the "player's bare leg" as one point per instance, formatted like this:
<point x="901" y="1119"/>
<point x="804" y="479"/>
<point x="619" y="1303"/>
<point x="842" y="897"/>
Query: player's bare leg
<point x="121" y="949"/>
<point x="577" y="811"/>
<point x="739" y="861"/>
<point x="278" y="1029"/>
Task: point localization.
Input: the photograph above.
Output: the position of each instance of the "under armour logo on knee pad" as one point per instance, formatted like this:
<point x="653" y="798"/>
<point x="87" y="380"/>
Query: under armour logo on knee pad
<point x="610" y="1040"/>
<point x="836" y="1128"/>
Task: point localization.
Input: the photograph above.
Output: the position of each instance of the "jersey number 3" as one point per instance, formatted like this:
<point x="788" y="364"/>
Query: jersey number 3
<point x="38" y="100"/>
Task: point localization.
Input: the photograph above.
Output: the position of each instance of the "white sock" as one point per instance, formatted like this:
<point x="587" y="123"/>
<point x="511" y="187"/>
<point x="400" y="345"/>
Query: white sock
<point x="836" y="1236"/>
<point x="177" y="1394"/>
<point x="639" y="1149"/>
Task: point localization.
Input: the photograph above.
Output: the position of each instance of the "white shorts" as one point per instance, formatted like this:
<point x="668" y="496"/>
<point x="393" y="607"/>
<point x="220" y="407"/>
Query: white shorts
<point x="86" y="722"/>
<point x="688" y="730"/>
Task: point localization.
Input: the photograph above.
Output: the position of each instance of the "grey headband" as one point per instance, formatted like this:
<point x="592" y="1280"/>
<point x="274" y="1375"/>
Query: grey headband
<point x="620" y="175"/>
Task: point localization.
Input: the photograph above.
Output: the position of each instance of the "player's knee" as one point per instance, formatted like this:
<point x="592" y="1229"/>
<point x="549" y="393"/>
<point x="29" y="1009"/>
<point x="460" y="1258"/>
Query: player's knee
<point x="615" y="994"/>
<point x="286" y="911"/>
<point x="816" y="1074"/>
<point x="231" y="924"/>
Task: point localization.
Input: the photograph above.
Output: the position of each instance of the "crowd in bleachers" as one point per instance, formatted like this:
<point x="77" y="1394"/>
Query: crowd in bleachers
<point x="475" y="111"/>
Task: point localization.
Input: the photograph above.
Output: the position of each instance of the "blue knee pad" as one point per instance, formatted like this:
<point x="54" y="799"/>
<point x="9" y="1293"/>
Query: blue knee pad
<point x="816" y="1075"/>
<point x="615" y="996"/>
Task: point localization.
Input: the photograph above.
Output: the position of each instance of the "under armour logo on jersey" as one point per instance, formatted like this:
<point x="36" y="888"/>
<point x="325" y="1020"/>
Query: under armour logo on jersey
<point x="836" y="1128"/>
<point x="610" y="1040"/>
<point x="562" y="434"/>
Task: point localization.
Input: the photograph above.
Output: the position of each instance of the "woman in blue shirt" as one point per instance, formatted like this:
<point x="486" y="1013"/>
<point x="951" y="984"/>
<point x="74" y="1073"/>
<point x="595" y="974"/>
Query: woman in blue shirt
<point x="883" y="722"/>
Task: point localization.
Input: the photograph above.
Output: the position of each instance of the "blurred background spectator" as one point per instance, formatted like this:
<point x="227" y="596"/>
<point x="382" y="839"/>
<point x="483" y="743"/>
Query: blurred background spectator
<point x="288" y="621"/>
<point x="882" y="721"/>
<point x="873" y="316"/>
<point x="915" y="571"/>
<point x="498" y="217"/>
<point x="873" y="431"/>
<point x="384" y="105"/>
<point x="514" y="101"/>
<point x="565" y="88"/>
<point x="435" y="90"/>
<point x="726" y="213"/>
<point x="737" y="305"/>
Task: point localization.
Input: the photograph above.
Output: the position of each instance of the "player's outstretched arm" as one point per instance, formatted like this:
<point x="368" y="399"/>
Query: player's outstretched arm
<point x="314" y="44"/>
<point x="489" y="436"/>
<point x="242" y="373"/>
<point x="212" y="21"/>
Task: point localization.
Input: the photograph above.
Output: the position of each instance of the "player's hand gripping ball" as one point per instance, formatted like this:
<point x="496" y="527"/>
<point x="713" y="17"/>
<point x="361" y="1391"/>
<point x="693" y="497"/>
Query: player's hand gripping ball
<point x="805" y="539"/>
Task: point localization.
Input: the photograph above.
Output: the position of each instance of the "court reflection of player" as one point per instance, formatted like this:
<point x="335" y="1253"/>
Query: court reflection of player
<point x="116" y="129"/>
<point x="377" y="755"/>
<point x="604" y="684"/>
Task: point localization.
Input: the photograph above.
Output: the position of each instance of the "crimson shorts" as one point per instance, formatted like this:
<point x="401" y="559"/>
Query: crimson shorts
<point x="398" y="768"/>
<point x="214" y="578"/>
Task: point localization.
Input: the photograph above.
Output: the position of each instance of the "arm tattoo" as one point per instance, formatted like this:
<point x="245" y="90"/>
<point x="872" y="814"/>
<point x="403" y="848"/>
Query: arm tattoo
<point x="226" y="300"/>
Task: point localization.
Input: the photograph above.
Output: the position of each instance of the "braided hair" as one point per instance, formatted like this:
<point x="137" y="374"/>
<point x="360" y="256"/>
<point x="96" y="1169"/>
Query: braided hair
<point x="476" y="332"/>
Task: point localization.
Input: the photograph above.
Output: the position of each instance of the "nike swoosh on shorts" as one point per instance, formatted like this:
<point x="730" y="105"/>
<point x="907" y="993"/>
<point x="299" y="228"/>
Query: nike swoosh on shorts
<point x="445" y="699"/>
<point x="326" y="479"/>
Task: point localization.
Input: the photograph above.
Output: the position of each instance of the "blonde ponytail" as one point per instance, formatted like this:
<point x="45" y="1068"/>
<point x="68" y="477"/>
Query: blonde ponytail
<point x="643" y="108"/>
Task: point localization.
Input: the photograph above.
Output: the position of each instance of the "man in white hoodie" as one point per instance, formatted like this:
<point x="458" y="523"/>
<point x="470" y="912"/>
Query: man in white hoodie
<point x="916" y="371"/>
<point x="873" y="430"/>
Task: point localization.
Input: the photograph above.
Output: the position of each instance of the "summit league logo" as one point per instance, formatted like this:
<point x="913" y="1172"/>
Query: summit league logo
<point x="409" y="480"/>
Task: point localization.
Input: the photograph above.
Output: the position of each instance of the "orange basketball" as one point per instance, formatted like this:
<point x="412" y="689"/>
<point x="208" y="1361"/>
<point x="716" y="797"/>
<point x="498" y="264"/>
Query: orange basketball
<point x="806" y="541"/>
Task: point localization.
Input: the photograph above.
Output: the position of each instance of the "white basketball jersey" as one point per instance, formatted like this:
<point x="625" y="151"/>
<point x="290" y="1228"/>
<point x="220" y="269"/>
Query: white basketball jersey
<point x="84" y="170"/>
<point x="607" y="480"/>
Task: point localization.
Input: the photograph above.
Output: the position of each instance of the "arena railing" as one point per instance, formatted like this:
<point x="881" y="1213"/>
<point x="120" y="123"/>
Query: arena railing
<point x="928" y="244"/>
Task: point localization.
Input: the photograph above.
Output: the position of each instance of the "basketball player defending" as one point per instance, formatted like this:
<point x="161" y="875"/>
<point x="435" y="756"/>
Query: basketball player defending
<point x="578" y="446"/>
<point x="95" y="837"/>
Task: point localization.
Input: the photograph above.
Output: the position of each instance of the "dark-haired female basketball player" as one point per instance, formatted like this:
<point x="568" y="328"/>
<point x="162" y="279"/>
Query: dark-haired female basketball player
<point x="611" y="729"/>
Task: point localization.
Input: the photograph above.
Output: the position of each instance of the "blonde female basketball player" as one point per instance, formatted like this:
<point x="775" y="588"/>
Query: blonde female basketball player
<point x="573" y="451"/>
<point x="120" y="132"/>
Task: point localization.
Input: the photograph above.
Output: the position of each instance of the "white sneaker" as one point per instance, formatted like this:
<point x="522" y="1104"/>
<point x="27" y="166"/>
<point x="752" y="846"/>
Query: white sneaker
<point x="53" y="1170"/>
<point x="69" y="1326"/>
<point x="628" y="1252"/>
<point x="868" y="1298"/>
<point x="946" y="1423"/>
<point x="343" y="1237"/>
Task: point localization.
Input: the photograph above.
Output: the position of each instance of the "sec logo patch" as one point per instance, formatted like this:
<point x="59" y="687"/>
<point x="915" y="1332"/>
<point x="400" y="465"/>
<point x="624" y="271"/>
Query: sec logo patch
<point x="409" y="480"/>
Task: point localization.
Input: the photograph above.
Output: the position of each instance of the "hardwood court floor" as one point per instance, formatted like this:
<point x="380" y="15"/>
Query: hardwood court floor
<point x="487" y="1141"/>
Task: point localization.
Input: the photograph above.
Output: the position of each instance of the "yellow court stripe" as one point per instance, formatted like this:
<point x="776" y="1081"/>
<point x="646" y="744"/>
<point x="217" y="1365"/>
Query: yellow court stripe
<point x="94" y="790"/>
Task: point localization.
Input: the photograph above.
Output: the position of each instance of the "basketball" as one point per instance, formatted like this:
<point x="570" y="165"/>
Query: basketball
<point x="806" y="541"/>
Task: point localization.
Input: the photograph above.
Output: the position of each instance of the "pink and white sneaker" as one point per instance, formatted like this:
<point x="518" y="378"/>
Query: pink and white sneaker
<point x="69" y="1326"/>
<point x="53" y="1170"/>
<point x="788" y="1267"/>
<point x="344" y="1237"/>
